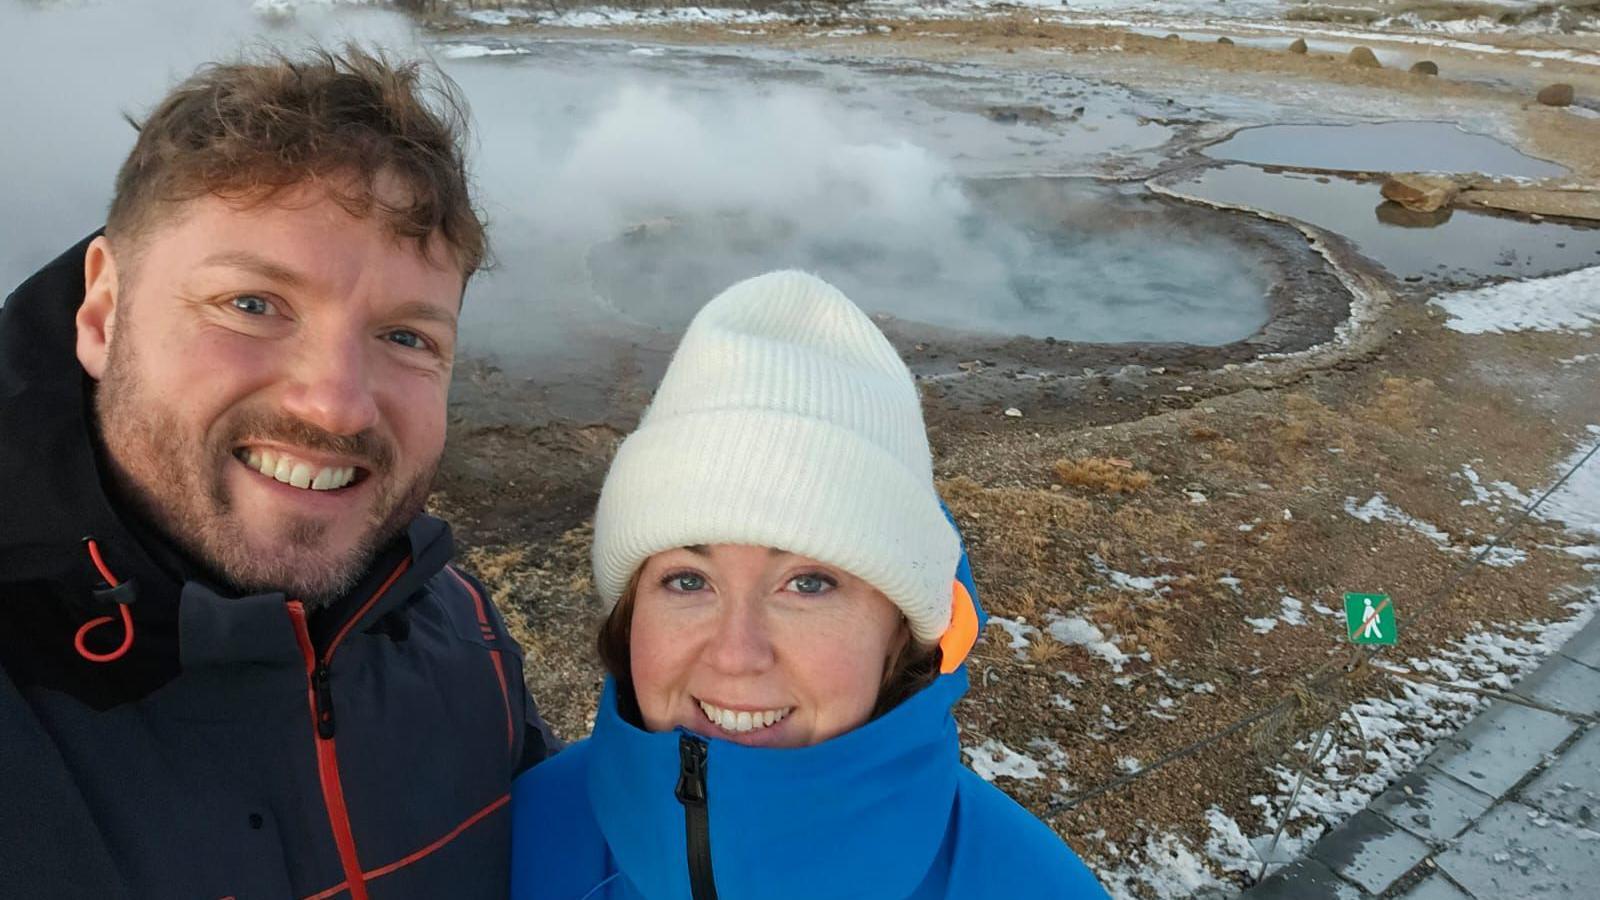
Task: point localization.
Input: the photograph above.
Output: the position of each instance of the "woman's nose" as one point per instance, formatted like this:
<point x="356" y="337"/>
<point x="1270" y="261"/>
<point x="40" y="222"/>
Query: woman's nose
<point x="741" y="644"/>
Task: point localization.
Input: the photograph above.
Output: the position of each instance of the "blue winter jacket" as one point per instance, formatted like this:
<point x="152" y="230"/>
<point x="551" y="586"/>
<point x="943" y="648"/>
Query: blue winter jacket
<point x="885" y="811"/>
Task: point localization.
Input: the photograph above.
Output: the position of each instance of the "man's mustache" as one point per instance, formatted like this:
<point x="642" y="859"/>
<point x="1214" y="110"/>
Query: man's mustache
<point x="367" y="448"/>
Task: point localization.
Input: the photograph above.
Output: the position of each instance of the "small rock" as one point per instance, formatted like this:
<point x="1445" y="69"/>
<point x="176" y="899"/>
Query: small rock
<point x="1364" y="58"/>
<point x="1556" y="95"/>
<point x="1392" y="213"/>
<point x="1014" y="413"/>
<point x="1425" y="67"/>
<point x="1299" y="46"/>
<point x="1225" y="41"/>
<point x="1174" y="37"/>
<point x="1420" y="193"/>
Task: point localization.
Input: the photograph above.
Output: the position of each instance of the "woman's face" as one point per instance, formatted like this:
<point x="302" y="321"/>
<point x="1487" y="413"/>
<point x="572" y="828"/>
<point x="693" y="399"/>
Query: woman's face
<point x="758" y="646"/>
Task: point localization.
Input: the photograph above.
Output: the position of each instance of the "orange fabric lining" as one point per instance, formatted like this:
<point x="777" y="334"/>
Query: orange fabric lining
<point x="963" y="631"/>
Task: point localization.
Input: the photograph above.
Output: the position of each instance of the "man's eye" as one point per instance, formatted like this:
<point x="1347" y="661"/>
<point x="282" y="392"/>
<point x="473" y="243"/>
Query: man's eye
<point x="408" y="339"/>
<point x="685" y="582"/>
<point x="250" y="304"/>
<point x="811" y="584"/>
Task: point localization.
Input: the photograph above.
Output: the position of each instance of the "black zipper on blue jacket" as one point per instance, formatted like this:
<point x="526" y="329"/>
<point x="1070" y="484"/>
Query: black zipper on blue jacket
<point x="691" y="793"/>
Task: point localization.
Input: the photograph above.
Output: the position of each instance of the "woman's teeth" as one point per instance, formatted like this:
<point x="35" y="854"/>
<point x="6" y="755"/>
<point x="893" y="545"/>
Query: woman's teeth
<point x="743" y="720"/>
<point x="297" y="473"/>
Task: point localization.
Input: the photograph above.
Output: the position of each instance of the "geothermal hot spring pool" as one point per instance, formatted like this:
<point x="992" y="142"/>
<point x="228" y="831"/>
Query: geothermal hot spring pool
<point x="1040" y="257"/>
<point x="625" y="185"/>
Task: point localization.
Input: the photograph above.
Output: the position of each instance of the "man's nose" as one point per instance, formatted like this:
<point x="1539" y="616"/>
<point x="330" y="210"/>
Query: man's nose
<point x="742" y="644"/>
<point x="331" y="386"/>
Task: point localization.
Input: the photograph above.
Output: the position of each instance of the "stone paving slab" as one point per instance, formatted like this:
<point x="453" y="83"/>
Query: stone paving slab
<point x="1501" y="746"/>
<point x="1565" y="685"/>
<point x="1370" y="851"/>
<point x="1570" y="788"/>
<point x="1305" y="880"/>
<point x="1584" y="647"/>
<point x="1518" y="851"/>
<point x="1431" y="804"/>
<point x="1435" y="887"/>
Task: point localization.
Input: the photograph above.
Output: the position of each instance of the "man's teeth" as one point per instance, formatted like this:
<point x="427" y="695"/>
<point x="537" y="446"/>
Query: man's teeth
<point x="297" y="473"/>
<point x="744" y="720"/>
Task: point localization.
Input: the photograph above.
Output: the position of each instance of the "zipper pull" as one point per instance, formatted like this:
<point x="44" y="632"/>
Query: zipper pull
<point x="320" y="683"/>
<point x="691" y="771"/>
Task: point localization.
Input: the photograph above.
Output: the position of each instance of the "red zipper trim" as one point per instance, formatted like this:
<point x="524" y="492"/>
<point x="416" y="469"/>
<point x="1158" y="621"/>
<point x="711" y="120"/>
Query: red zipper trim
<point x="410" y="858"/>
<point x="328" y="762"/>
<point x="494" y="657"/>
<point x="327" y="655"/>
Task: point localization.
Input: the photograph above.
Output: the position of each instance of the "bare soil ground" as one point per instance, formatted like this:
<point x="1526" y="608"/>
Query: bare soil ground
<point x="1111" y="474"/>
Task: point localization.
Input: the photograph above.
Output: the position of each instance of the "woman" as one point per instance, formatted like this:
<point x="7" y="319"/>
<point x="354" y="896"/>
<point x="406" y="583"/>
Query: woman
<point x="791" y="610"/>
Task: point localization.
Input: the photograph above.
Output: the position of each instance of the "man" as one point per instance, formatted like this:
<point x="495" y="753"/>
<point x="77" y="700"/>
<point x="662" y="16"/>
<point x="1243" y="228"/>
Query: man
<point x="237" y="661"/>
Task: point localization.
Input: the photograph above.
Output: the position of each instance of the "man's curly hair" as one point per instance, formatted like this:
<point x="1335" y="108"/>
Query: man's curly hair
<point x="353" y="122"/>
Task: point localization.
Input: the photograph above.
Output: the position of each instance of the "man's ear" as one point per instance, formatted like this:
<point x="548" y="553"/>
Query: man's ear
<point x="97" y="317"/>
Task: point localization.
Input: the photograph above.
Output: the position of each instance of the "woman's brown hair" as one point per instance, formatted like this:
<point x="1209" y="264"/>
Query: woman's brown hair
<point x="908" y="671"/>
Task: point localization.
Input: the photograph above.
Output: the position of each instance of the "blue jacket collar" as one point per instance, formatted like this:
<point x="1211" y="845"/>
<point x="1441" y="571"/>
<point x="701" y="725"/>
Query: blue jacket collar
<point x="867" y="810"/>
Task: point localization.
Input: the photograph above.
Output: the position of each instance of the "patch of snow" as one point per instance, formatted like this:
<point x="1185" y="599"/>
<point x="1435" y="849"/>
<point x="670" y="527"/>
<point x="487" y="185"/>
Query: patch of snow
<point x="1293" y="611"/>
<point x="1577" y="503"/>
<point x="1137" y="583"/>
<point x="1379" y="509"/>
<point x="477" y="51"/>
<point x="1227" y="846"/>
<point x="1164" y="868"/>
<point x="1569" y="302"/>
<point x="1019" y="631"/>
<point x="1128" y="764"/>
<point x="992" y="759"/>
<point x="497" y="16"/>
<point x="1499" y="557"/>
<point x="1083" y="633"/>
<point x="1054" y="756"/>
<point x="1262" y="626"/>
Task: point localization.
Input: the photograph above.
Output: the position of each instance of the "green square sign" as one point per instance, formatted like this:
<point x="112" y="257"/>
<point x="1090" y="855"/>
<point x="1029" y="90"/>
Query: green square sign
<point x="1369" y="618"/>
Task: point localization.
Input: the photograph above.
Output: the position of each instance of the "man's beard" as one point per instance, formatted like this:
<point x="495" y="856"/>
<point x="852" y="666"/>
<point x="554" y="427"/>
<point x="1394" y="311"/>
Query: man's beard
<point x="177" y="482"/>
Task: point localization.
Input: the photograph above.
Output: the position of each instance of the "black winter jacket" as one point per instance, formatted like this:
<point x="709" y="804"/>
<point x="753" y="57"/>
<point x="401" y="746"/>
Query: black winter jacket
<point x="240" y="747"/>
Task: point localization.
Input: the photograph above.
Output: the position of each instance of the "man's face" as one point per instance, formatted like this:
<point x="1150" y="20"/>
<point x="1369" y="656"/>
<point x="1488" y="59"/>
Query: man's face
<point x="273" y="385"/>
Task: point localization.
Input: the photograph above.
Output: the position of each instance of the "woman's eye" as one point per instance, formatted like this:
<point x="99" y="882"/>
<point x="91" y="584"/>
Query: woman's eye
<point x="250" y="304"/>
<point x="810" y="584"/>
<point x="409" y="339"/>
<point x="686" y="583"/>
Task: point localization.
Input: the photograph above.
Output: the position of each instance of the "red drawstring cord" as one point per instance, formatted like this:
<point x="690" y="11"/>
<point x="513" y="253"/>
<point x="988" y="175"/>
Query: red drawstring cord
<point x="127" y="617"/>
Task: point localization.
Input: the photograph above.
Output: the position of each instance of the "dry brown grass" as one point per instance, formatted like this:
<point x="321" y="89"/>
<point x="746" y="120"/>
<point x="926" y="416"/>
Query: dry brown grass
<point x="1108" y="475"/>
<point x="1400" y="403"/>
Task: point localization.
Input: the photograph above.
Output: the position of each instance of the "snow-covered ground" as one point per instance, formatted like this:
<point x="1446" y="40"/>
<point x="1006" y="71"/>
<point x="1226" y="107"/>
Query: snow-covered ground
<point x="1569" y="302"/>
<point x="1400" y="728"/>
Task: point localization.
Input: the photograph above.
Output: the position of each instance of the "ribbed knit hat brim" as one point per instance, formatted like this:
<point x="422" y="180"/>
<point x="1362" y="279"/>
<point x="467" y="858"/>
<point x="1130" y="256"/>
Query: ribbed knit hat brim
<point x="785" y="420"/>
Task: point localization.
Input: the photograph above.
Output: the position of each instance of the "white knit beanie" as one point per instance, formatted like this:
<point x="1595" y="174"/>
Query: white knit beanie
<point x="785" y="420"/>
